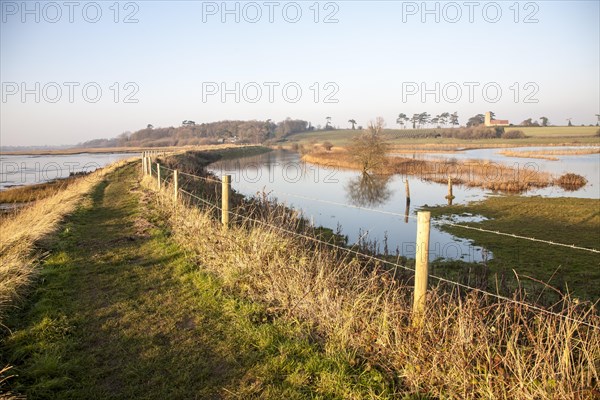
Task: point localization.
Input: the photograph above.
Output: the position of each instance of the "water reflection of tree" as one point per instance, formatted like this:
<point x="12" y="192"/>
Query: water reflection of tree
<point x="368" y="190"/>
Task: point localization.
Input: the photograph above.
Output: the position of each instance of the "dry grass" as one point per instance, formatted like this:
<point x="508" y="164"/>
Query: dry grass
<point x="28" y="193"/>
<point x="470" y="346"/>
<point x="23" y="230"/>
<point x="473" y="173"/>
<point x="571" y="181"/>
<point x="549" y="154"/>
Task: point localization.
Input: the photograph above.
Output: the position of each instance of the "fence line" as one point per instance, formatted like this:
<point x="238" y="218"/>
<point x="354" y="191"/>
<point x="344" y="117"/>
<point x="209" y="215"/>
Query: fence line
<point x="395" y="264"/>
<point x="439" y="223"/>
<point x="440" y="279"/>
<point x="572" y="246"/>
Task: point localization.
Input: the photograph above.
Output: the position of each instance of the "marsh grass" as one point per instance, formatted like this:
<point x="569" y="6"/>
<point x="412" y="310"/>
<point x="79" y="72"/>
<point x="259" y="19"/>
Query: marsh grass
<point x="550" y="154"/>
<point x="471" y="345"/>
<point x="472" y="173"/>
<point x="26" y="194"/>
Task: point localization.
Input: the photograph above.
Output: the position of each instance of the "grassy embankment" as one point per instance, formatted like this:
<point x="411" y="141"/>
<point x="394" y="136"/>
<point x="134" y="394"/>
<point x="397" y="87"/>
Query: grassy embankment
<point x="563" y="220"/>
<point x="121" y="311"/>
<point x="469" y="347"/>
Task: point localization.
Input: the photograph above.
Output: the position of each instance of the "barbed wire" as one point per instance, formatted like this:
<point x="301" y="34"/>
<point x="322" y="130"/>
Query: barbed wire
<point x="200" y="177"/>
<point x="201" y="199"/>
<point x="550" y="242"/>
<point x="395" y="264"/>
<point x="572" y="246"/>
<point x="440" y="279"/>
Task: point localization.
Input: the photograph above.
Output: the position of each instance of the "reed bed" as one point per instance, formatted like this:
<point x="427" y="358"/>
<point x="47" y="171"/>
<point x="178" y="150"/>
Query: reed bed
<point x="472" y="173"/>
<point x="550" y="154"/>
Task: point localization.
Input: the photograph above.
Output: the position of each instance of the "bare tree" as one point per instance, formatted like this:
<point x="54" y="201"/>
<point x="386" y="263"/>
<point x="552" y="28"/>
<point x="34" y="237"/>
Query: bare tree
<point x="369" y="149"/>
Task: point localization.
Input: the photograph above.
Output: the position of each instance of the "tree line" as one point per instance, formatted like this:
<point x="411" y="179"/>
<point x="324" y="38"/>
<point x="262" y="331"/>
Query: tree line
<point x="190" y="133"/>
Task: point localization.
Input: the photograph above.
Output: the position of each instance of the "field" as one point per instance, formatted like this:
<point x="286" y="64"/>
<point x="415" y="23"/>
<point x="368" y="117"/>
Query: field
<point x="565" y="220"/>
<point x="553" y="135"/>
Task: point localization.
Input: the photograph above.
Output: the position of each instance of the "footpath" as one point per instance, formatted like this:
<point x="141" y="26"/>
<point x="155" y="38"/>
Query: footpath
<point x="119" y="311"/>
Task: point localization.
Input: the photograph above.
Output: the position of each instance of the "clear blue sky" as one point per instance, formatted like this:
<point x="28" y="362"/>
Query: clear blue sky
<point x="372" y="57"/>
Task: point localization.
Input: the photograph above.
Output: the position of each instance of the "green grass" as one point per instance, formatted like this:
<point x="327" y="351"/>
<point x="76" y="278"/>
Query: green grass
<point x="537" y="136"/>
<point x="564" y="220"/>
<point x="120" y="311"/>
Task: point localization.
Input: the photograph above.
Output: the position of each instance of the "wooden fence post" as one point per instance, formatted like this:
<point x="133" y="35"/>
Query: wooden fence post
<point x="225" y="201"/>
<point x="158" y="175"/>
<point x="407" y="191"/>
<point x="175" y="185"/>
<point x="421" y="267"/>
<point x="143" y="164"/>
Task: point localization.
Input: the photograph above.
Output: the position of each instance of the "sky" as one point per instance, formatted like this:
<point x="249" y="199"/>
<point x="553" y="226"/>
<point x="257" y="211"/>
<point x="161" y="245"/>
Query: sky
<point x="73" y="71"/>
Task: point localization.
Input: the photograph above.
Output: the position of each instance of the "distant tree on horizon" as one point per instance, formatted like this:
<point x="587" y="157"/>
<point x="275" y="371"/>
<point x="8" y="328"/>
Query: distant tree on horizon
<point x="476" y="120"/>
<point x="402" y="119"/>
<point x="353" y="122"/>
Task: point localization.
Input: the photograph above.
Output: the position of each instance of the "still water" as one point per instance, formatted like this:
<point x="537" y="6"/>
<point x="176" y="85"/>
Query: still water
<point x="19" y="170"/>
<point x="375" y="208"/>
<point x="586" y="165"/>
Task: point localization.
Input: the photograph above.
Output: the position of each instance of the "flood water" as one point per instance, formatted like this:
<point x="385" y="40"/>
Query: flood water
<point x="375" y="208"/>
<point x="586" y="165"/>
<point x="19" y="170"/>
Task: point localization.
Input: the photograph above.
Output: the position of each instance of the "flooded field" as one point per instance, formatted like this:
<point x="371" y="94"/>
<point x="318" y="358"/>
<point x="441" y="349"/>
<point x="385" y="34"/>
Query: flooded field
<point x="375" y="209"/>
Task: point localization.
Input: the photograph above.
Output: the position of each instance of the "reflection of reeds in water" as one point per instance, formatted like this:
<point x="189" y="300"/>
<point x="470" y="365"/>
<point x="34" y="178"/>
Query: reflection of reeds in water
<point x="472" y="173"/>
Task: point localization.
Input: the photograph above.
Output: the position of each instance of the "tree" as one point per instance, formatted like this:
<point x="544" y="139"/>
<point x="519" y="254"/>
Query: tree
<point x="270" y="128"/>
<point x="544" y="121"/>
<point x="569" y="124"/>
<point x="414" y="119"/>
<point x="188" y="123"/>
<point x="402" y="118"/>
<point x="424" y="119"/>
<point x="328" y="124"/>
<point x="598" y="116"/>
<point x="476" y="120"/>
<point x="150" y="126"/>
<point x="527" y="122"/>
<point x="369" y="149"/>
<point x="353" y="122"/>
<point x="435" y="120"/>
<point x="443" y="118"/>
<point x="454" y="118"/>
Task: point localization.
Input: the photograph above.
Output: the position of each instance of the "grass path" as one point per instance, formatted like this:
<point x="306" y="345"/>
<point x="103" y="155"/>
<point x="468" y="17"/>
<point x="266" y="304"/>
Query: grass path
<point x="120" y="312"/>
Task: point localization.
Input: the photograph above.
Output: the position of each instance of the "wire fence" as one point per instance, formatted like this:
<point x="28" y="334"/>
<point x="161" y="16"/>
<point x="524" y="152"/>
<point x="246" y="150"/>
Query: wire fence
<point x="370" y="257"/>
